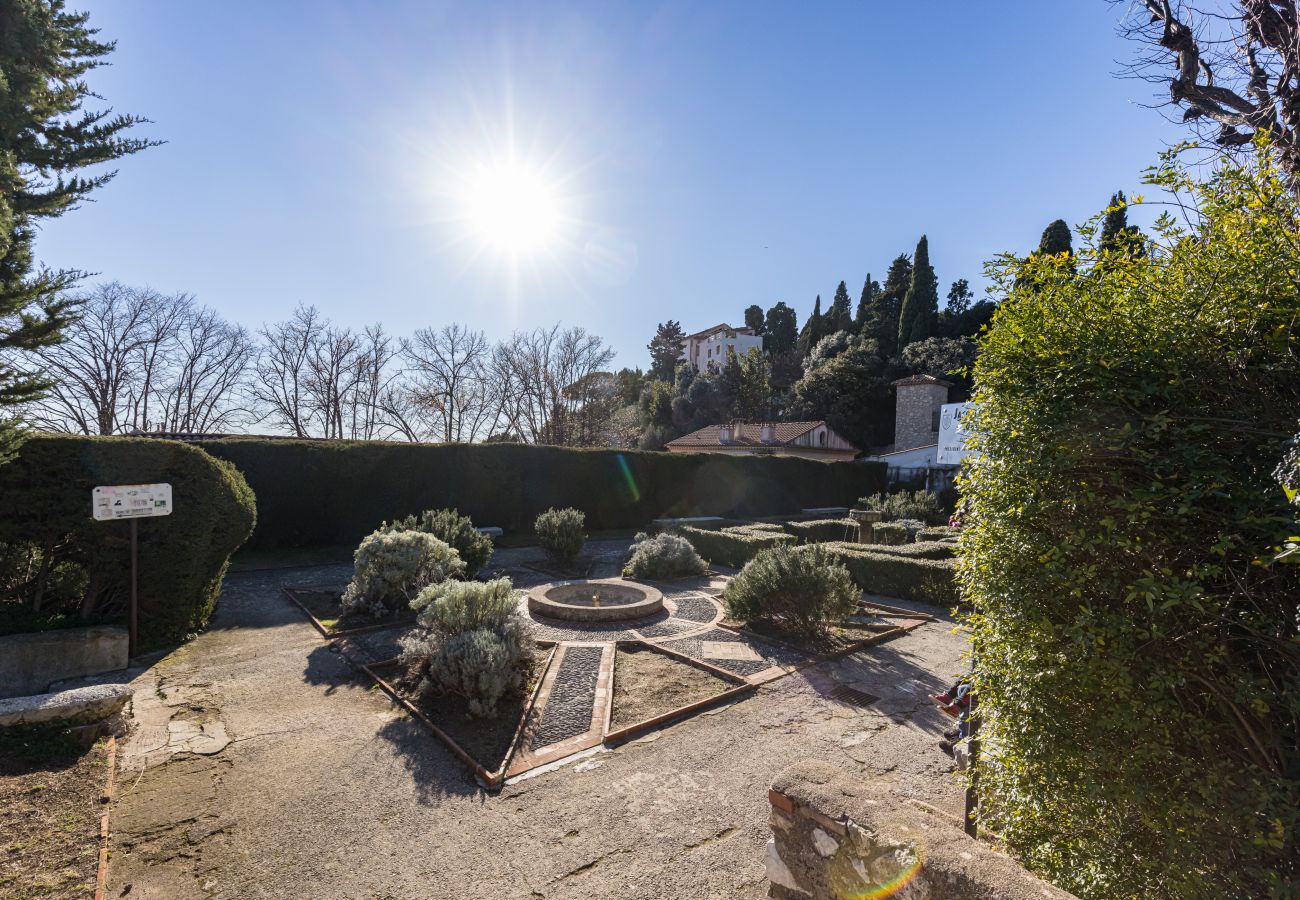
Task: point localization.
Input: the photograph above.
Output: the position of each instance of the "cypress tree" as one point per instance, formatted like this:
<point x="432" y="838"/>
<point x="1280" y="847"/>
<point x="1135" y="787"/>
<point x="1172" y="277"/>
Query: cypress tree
<point x="1056" y="239"/>
<point x="839" y="317"/>
<point x="921" y="304"/>
<point x="46" y="138"/>
<point x="884" y="321"/>
<point x="865" y="304"/>
<point x="1115" y="223"/>
<point x="812" y="329"/>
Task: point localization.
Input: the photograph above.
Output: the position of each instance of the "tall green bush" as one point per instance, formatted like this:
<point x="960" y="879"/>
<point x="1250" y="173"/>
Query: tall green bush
<point x="561" y="534"/>
<point x="47" y="528"/>
<point x="323" y="493"/>
<point x="1138" y="668"/>
<point x="802" y="588"/>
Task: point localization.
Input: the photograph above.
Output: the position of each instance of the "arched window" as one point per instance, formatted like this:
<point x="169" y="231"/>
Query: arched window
<point x="822" y="438"/>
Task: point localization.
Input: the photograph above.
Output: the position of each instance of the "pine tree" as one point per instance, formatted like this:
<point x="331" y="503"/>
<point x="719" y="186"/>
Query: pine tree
<point x="865" y="304"/>
<point x="781" y="329"/>
<point x="921" y="304"/>
<point x="44" y="134"/>
<point x="812" y="329"/>
<point x="754" y="318"/>
<point x="1056" y="239"/>
<point x="666" y="350"/>
<point x="839" y="317"/>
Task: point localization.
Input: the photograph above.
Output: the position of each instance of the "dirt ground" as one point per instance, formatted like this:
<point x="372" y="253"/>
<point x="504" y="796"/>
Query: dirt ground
<point x="648" y="684"/>
<point x="264" y="767"/>
<point x="50" y="806"/>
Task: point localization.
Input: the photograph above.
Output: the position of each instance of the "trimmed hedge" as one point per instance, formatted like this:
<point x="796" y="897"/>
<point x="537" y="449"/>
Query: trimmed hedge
<point x="916" y="550"/>
<point x="938" y="533"/>
<point x="319" y="493"/>
<point x="734" y="546"/>
<point x="818" y="531"/>
<point x="183" y="557"/>
<point x="891" y="575"/>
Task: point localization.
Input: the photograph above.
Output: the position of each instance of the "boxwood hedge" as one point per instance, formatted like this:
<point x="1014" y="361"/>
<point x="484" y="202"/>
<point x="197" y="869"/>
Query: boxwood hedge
<point x="817" y="531"/>
<point x="47" y="501"/>
<point x="319" y="493"/>
<point x="892" y="575"/>
<point x="733" y="546"/>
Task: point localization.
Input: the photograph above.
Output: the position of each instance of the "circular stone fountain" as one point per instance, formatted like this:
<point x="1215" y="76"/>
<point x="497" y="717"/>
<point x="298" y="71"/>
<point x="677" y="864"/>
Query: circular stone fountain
<point x="598" y="600"/>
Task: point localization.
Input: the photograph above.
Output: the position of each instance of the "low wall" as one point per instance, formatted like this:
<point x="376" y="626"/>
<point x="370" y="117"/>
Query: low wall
<point x="835" y="836"/>
<point x="30" y="663"/>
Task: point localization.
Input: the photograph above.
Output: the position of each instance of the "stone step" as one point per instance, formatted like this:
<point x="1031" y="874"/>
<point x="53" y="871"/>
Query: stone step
<point x="78" y="706"/>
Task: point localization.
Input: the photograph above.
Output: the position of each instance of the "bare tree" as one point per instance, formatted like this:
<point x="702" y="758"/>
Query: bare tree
<point x="549" y="368"/>
<point x="1236" y="67"/>
<point x="447" y="381"/>
<point x="283" y="370"/>
<point x="138" y="360"/>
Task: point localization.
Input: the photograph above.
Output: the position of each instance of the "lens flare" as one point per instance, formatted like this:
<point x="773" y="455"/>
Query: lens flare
<point x="629" y="479"/>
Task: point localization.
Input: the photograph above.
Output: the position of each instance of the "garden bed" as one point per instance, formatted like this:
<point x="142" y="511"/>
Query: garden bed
<point x="51" y="791"/>
<point x="322" y="607"/>
<point x="837" y="640"/>
<point x="485" y="745"/>
<point x="649" y="683"/>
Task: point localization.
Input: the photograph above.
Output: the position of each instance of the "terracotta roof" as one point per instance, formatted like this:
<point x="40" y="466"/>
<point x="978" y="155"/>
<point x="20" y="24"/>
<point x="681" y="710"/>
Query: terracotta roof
<point x="748" y="435"/>
<point x="921" y="379"/>
<point x="741" y="329"/>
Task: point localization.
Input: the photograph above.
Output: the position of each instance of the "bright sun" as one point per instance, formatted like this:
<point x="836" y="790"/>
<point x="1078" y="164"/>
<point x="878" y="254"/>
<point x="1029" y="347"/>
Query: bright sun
<point x="512" y="208"/>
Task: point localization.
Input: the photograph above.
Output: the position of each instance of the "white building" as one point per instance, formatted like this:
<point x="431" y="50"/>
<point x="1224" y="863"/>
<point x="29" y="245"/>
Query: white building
<point x="709" y="347"/>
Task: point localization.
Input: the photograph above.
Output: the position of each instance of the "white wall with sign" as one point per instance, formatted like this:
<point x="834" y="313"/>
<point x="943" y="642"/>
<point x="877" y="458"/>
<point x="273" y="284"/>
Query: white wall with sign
<point x="952" y="434"/>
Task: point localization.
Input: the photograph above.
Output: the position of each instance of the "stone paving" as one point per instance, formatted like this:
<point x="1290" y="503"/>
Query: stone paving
<point x="567" y="712"/>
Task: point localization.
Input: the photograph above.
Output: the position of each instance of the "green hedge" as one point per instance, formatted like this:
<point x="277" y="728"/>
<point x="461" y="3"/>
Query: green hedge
<point x="891" y="575"/>
<point x="46" y="495"/>
<point x="818" y="531"/>
<point x="734" y="546"/>
<point x="915" y="550"/>
<point x="319" y="493"/>
<point x="938" y="533"/>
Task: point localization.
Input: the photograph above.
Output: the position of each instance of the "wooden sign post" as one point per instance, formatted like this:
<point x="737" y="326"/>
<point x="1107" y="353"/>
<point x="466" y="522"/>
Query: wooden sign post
<point x="134" y="502"/>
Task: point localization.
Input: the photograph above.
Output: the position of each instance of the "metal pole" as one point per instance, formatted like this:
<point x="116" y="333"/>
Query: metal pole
<point x="135" y="530"/>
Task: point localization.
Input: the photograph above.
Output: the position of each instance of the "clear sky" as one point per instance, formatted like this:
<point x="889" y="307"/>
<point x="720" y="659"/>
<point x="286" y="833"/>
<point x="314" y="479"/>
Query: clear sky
<point x="695" y="157"/>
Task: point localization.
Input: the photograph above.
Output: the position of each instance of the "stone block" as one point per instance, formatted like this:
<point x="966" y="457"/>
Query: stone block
<point x="30" y="663"/>
<point x="78" y="706"/>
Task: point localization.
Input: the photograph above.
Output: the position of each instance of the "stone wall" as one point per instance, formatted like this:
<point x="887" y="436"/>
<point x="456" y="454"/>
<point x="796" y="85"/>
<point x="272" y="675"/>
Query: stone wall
<point x="835" y="836"/>
<point x="915" y="407"/>
<point x="30" y="663"/>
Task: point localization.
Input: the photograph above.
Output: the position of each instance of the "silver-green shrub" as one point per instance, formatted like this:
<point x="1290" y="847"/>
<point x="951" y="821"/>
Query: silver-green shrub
<point x="475" y="643"/>
<point x="921" y="505"/>
<point x="804" y="588"/>
<point x="663" y="556"/>
<point x="560" y="532"/>
<point x="391" y="568"/>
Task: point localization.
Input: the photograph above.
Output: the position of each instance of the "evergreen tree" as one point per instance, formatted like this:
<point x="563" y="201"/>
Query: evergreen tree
<point x="883" y="323"/>
<point x="666" y="350"/>
<point x="959" y="297"/>
<point x="839" y="317"/>
<point x="44" y="134"/>
<point x="1117" y="235"/>
<point x="1056" y="239"/>
<point x="916" y="320"/>
<point x="781" y="329"/>
<point x="812" y="329"/>
<point x="865" y="304"/>
<point x="754" y="318"/>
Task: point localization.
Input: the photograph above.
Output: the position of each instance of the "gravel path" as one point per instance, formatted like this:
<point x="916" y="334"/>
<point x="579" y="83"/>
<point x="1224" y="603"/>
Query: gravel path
<point x="325" y="791"/>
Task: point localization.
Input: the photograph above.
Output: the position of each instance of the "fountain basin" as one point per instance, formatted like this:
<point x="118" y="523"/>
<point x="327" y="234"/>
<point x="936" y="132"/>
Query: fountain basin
<point x="595" y="600"/>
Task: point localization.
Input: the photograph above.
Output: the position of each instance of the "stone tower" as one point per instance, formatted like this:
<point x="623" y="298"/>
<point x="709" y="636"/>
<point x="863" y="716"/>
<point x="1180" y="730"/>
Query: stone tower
<point x="916" y="418"/>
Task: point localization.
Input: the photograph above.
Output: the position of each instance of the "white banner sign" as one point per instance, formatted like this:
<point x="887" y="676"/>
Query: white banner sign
<point x="952" y="435"/>
<point x="132" y="501"/>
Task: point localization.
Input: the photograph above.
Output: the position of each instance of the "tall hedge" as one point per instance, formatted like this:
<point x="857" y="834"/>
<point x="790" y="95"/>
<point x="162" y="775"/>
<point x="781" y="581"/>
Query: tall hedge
<point x="1136" y="653"/>
<point x="46" y="495"/>
<point x="318" y="493"/>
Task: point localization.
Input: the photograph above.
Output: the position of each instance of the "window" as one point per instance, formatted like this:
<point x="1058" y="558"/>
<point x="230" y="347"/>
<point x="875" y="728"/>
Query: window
<point x="821" y="437"/>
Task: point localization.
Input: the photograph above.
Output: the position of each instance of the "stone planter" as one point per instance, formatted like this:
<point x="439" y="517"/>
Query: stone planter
<point x="30" y="663"/>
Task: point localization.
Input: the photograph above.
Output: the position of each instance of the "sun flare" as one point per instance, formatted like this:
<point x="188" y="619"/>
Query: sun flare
<point x="513" y="208"/>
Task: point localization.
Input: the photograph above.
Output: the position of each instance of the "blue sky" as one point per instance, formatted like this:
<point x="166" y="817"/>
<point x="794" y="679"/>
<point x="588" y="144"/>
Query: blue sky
<point x="707" y="156"/>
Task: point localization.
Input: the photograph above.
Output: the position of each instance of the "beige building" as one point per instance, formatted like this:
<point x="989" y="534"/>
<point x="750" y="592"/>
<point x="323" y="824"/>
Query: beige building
<point x="810" y="440"/>
<point x="709" y="347"/>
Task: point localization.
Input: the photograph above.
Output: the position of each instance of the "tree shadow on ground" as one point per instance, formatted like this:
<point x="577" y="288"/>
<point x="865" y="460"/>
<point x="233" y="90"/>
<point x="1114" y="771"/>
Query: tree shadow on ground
<point x="893" y="673"/>
<point x="326" y="666"/>
<point x="436" y="773"/>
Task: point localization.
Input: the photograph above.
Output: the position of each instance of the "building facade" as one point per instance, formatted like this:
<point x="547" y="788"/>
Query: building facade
<point x="709" y="347"/>
<point x="809" y="440"/>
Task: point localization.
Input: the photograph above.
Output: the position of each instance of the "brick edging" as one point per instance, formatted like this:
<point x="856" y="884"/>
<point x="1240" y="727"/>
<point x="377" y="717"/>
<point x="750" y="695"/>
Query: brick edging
<point x="101" y="871"/>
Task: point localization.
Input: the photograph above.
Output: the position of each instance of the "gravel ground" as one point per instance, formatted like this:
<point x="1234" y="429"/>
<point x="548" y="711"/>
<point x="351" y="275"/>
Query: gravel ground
<point x="325" y="791"/>
<point x="568" y="711"/>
